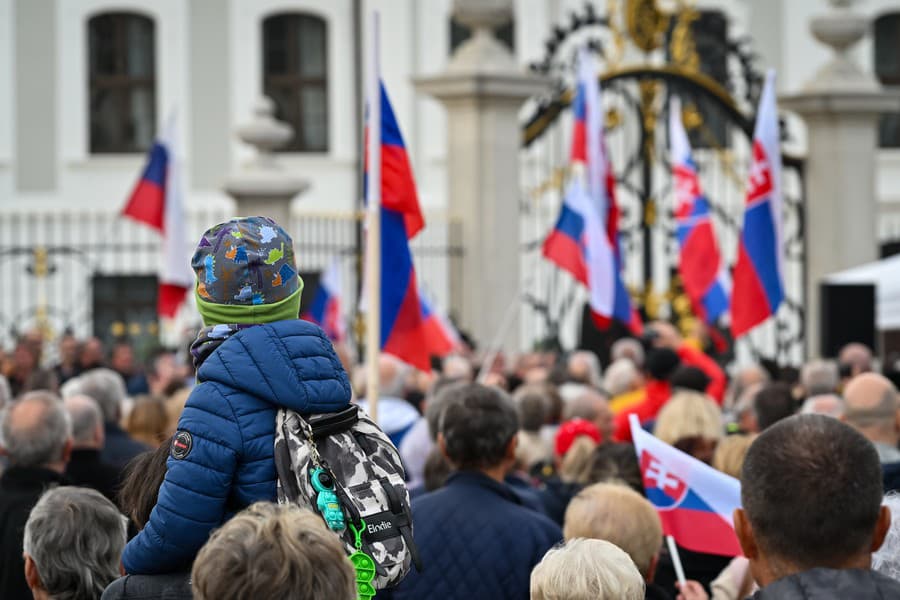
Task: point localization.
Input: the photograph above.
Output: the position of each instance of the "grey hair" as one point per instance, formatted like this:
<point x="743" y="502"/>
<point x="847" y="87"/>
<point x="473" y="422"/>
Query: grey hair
<point x="86" y="417"/>
<point x="5" y="392"/>
<point x="887" y="560"/>
<point x="41" y="441"/>
<point x="620" y="376"/>
<point x="75" y="536"/>
<point x="595" y="373"/>
<point x="629" y="348"/>
<point x="106" y="387"/>
<point x="819" y="377"/>
<point x="533" y="406"/>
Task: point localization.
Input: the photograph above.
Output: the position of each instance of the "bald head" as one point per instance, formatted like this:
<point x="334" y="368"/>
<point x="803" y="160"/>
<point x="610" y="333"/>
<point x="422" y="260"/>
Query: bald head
<point x="857" y="357"/>
<point x="87" y="421"/>
<point x="872" y="408"/>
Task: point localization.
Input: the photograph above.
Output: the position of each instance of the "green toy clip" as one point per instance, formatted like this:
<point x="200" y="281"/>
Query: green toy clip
<point x="364" y="565"/>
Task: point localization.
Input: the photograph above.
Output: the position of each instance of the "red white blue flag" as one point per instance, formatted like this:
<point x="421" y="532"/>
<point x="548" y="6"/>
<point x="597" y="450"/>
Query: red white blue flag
<point x="703" y="272"/>
<point x="402" y="330"/>
<point x="759" y="272"/>
<point x="695" y="502"/>
<point x="585" y="239"/>
<point x="327" y="308"/>
<point x="157" y="201"/>
<point x="443" y="339"/>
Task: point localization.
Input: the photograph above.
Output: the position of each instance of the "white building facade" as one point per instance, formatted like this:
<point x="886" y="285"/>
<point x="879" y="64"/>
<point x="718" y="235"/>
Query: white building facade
<point x="84" y="85"/>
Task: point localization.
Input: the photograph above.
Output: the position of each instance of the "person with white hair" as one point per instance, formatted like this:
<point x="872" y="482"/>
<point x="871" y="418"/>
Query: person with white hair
<point x="107" y="389"/>
<point x="85" y="467"/>
<point x="587" y="568"/>
<point x="396" y="416"/>
<point x="73" y="542"/>
<point x="583" y="366"/>
<point x="819" y="377"/>
<point x="745" y="377"/>
<point x="36" y="435"/>
<point x="628" y="348"/>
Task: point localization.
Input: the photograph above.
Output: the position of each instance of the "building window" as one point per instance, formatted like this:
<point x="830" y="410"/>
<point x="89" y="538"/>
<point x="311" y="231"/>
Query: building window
<point x="122" y="82"/>
<point x="459" y="33"/>
<point x="887" y="68"/>
<point x="295" y="77"/>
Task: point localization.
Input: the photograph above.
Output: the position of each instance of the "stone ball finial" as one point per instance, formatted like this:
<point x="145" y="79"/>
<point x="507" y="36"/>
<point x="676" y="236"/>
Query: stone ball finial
<point x="482" y="14"/>
<point x="264" y="132"/>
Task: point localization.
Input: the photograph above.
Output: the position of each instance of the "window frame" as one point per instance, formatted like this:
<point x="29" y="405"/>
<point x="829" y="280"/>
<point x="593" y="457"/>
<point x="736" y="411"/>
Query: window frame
<point x="889" y="80"/>
<point x="294" y="81"/>
<point x="120" y="81"/>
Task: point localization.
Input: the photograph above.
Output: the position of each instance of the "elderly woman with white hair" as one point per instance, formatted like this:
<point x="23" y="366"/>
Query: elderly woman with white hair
<point x="587" y="568"/>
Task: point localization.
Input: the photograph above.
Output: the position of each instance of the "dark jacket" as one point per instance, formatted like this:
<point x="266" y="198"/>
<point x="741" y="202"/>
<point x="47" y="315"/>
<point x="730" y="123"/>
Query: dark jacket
<point x="20" y="489"/>
<point x="476" y="540"/>
<point x="86" y="469"/>
<point x="890" y="473"/>
<point x="120" y="448"/>
<point x="222" y="455"/>
<point x="172" y="586"/>
<point x="825" y="584"/>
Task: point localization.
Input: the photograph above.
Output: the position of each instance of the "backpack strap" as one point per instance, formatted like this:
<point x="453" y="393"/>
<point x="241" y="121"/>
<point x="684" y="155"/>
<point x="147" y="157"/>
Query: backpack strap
<point x="286" y="475"/>
<point x="403" y="519"/>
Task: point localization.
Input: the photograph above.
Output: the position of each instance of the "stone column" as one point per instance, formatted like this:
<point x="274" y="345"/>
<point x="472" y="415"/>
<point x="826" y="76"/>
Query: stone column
<point x="840" y="106"/>
<point x="483" y="89"/>
<point x="261" y="186"/>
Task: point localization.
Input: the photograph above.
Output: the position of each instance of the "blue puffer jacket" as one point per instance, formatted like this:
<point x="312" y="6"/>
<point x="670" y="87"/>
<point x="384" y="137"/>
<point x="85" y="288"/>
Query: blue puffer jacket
<point x="224" y="462"/>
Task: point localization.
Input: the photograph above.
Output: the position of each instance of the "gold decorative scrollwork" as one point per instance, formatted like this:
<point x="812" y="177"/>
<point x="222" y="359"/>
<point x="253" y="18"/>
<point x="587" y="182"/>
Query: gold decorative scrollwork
<point x="646" y="24"/>
<point x="649" y="92"/>
<point x="683" y="48"/>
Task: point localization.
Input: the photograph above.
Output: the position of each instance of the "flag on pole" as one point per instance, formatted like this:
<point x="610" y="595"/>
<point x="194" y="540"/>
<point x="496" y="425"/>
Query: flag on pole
<point x="401" y="320"/>
<point x="157" y="201"/>
<point x="326" y="309"/>
<point x="585" y="239"/>
<point x="703" y="273"/>
<point x="695" y="502"/>
<point x="759" y="272"/>
<point x="442" y="337"/>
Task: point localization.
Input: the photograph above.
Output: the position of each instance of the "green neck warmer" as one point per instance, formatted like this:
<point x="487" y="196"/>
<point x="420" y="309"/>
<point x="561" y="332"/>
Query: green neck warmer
<point x="250" y="314"/>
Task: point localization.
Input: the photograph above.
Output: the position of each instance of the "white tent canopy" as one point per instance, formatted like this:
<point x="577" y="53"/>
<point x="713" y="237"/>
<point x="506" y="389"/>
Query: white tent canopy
<point x="885" y="276"/>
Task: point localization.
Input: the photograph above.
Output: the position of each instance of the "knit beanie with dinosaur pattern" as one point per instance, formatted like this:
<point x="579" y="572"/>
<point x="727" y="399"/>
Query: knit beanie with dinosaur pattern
<point x="246" y="273"/>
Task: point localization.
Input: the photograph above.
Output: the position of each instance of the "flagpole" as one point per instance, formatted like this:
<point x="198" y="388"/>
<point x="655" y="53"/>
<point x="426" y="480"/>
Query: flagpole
<point x="373" y="217"/>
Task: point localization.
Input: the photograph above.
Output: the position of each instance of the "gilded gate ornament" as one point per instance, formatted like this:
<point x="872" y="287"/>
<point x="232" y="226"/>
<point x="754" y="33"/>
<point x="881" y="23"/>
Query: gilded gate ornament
<point x="646" y="24"/>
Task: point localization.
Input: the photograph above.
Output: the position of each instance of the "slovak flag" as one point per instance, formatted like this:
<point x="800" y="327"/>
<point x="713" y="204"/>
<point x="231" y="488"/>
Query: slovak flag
<point x="326" y="309"/>
<point x="443" y="338"/>
<point x="703" y="273"/>
<point x="585" y="239"/>
<point x="402" y="328"/>
<point x="759" y="272"/>
<point x="157" y="200"/>
<point x="695" y="502"/>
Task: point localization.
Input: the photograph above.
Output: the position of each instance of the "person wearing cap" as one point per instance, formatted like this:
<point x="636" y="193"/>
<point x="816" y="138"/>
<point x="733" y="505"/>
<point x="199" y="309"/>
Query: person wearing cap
<point x="253" y="357"/>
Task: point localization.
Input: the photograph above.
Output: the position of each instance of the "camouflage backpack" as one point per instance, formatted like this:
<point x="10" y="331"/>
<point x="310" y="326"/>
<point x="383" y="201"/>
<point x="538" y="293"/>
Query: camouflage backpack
<point x="368" y="480"/>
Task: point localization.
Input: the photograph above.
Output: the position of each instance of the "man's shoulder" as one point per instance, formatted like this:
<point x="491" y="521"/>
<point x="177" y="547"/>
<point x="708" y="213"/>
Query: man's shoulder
<point x="831" y="583"/>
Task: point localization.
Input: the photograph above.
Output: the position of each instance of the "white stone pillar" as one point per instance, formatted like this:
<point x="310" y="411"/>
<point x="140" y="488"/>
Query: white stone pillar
<point x="262" y="186"/>
<point x="840" y="106"/>
<point x="483" y="89"/>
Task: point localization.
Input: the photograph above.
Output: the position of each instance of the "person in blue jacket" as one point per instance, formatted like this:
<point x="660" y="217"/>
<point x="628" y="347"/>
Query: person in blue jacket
<point x="253" y="357"/>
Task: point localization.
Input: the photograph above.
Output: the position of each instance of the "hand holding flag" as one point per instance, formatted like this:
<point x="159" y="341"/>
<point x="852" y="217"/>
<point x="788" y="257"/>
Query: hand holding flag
<point x="694" y="501"/>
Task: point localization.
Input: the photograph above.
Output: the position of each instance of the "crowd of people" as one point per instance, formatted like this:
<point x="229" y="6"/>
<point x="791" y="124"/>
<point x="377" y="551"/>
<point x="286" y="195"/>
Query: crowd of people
<point x="160" y="482"/>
